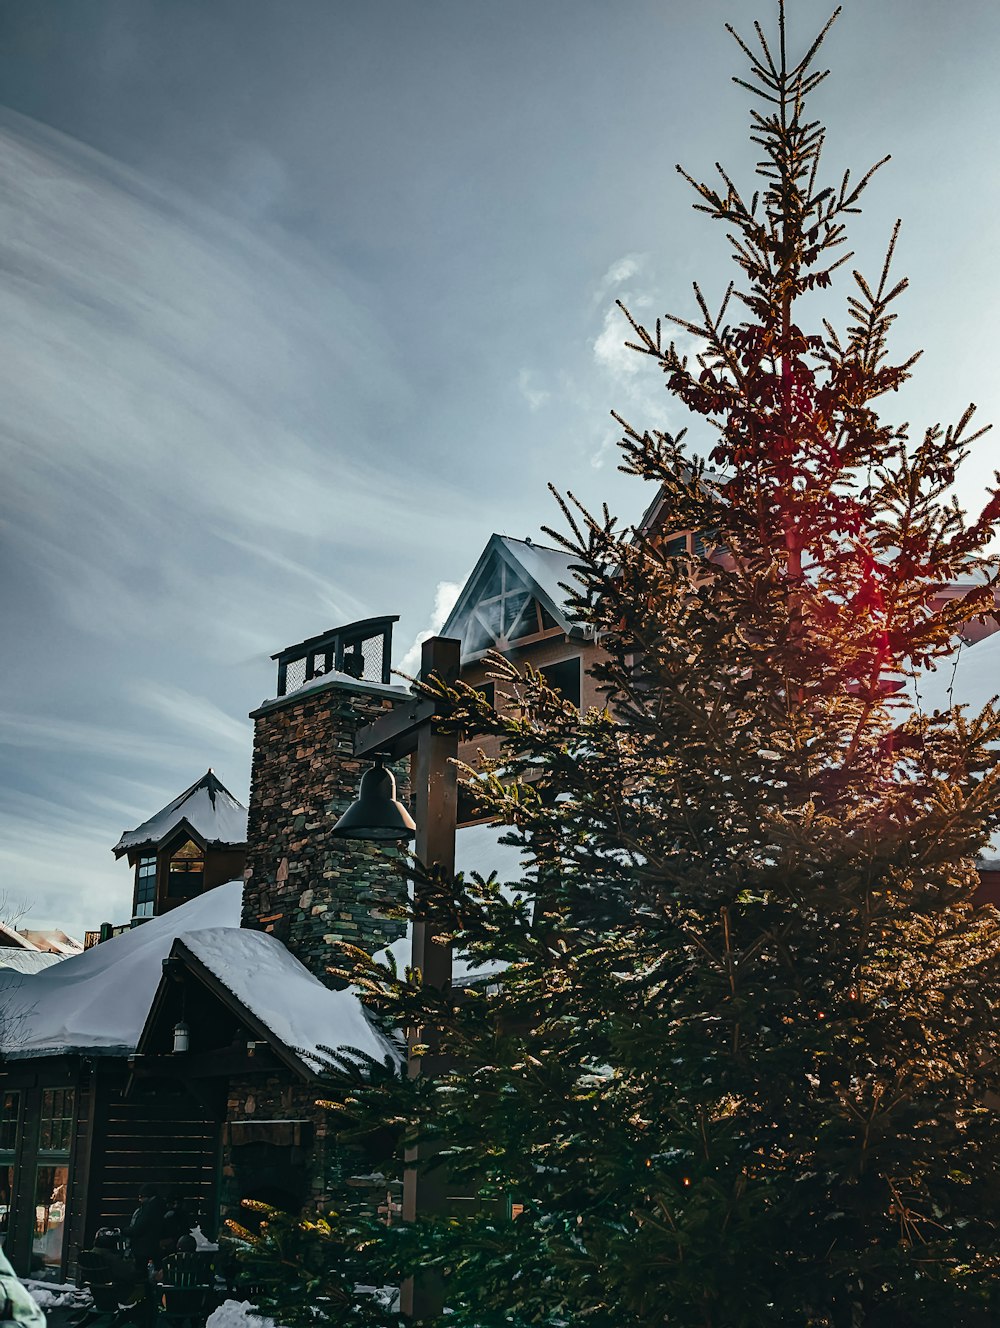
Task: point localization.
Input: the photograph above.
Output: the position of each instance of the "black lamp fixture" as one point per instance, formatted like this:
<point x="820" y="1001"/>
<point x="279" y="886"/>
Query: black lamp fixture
<point x="376" y="814"/>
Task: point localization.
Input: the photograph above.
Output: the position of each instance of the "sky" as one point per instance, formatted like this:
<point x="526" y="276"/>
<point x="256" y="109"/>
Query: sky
<point x="300" y="300"/>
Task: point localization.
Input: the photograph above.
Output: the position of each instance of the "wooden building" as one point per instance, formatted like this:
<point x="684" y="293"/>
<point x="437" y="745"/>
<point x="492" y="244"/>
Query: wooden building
<point x="185" y="1051"/>
<point x="193" y="844"/>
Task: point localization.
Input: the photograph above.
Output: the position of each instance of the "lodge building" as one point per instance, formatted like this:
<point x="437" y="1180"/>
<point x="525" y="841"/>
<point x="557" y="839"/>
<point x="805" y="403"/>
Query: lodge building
<point x="183" y="1048"/>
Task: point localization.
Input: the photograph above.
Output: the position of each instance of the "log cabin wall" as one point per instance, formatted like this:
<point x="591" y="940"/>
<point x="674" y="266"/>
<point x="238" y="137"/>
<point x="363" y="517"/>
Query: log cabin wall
<point x="152" y="1136"/>
<point x="110" y="1146"/>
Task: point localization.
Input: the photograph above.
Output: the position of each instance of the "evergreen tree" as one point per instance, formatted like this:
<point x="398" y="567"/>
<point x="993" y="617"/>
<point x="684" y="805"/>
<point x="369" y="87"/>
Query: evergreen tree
<point x="738" y="1068"/>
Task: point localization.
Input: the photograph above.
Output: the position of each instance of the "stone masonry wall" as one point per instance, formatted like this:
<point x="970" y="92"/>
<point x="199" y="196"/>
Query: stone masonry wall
<point x="307" y="888"/>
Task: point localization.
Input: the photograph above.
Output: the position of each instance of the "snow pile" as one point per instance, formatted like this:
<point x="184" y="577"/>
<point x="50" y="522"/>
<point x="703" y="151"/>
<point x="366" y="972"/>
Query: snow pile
<point x="201" y="1240"/>
<point x="57" y="1295"/>
<point x="272" y="984"/>
<point x="237" y="1314"/>
<point x="27" y="961"/>
<point x="97" y="1001"/>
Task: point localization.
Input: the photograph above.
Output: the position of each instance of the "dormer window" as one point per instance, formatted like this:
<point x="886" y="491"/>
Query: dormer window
<point x="186" y="873"/>
<point x="145" y="887"/>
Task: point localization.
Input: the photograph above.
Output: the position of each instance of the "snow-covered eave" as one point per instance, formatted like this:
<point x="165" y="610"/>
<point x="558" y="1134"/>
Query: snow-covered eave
<point x="121" y="1051"/>
<point x="333" y="681"/>
<point x="128" y="845"/>
<point x="287" y="1055"/>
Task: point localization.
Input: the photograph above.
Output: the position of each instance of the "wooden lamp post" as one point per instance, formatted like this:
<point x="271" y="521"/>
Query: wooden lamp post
<point x="409" y="730"/>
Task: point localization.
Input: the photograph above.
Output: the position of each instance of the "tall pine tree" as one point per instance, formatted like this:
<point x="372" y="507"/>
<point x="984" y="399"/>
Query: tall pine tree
<point x="738" y="1069"/>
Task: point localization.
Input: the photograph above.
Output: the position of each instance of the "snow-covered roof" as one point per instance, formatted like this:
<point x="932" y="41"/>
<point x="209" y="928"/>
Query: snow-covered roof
<point x="11" y="939"/>
<point x="342" y="682"/>
<point x="970" y="677"/>
<point x="509" y="577"/>
<point x="53" y="942"/>
<point x="97" y="1001"/>
<point x="549" y="568"/>
<point x="28" y="961"/>
<point x="207" y="807"/>
<point x="284" y="996"/>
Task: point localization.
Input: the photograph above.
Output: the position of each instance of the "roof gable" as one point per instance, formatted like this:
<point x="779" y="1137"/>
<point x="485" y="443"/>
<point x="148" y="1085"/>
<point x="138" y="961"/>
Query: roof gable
<point x="96" y="1002"/>
<point x="207" y="808"/>
<point x="515" y="592"/>
<point x="271" y="993"/>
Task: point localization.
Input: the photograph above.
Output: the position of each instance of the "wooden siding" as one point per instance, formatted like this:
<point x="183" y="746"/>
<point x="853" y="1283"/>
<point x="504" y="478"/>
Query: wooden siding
<point x="163" y="1141"/>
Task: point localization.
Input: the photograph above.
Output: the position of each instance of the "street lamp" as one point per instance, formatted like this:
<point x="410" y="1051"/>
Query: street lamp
<point x="376" y="815"/>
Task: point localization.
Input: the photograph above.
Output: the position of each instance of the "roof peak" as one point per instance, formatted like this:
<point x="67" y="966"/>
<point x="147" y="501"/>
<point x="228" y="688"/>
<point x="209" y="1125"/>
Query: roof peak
<point x="220" y="817"/>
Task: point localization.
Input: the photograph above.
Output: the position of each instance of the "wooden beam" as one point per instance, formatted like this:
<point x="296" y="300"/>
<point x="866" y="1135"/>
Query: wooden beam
<point x="397" y="732"/>
<point x="205" y="1064"/>
<point x="436" y="815"/>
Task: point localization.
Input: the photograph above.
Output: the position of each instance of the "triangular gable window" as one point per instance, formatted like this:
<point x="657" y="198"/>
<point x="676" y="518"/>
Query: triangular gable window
<point x="504" y="610"/>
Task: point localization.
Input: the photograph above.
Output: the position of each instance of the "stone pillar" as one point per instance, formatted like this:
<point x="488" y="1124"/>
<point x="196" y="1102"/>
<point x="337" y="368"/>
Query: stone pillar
<point x="307" y="888"/>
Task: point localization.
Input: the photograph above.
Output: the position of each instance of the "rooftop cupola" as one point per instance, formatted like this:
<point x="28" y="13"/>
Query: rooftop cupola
<point x="194" y="843"/>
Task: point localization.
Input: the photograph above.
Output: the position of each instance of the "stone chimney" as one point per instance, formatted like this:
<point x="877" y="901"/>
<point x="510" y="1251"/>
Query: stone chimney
<point x="310" y="889"/>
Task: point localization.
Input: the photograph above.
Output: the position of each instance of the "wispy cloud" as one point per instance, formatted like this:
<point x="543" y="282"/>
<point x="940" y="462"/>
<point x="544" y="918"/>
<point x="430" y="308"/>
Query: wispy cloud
<point x="99" y="742"/>
<point x="445" y="595"/>
<point x="534" y="394"/>
<point x="196" y="713"/>
<point x="59" y="864"/>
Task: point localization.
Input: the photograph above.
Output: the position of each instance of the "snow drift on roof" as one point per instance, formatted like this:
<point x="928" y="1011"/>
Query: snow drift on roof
<point x="272" y="984"/>
<point x="28" y="961"/>
<point x="207" y="806"/>
<point x="97" y="1001"/>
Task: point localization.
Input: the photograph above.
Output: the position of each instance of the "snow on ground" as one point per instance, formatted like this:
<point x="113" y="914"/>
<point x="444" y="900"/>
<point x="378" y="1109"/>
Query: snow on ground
<point x="57" y="1295"/>
<point x="237" y="1314"/>
<point x="97" y="1001"/>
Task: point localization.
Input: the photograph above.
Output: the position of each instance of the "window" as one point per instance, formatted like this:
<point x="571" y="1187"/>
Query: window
<point x="10" y="1117"/>
<point x="187" y="872"/>
<point x="505" y="610"/>
<point x="10" y="1107"/>
<point x="564" y="678"/>
<point x="55" y="1134"/>
<point x="50" y="1214"/>
<point x="145" y="887"/>
<point x="56" y="1123"/>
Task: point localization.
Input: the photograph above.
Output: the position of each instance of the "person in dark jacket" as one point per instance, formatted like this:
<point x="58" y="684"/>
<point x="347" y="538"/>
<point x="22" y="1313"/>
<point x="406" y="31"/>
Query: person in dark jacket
<point x="146" y="1227"/>
<point x="177" y="1222"/>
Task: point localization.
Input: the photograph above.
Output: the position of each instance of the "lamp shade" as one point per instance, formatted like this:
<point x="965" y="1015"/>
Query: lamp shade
<point x="376" y="814"/>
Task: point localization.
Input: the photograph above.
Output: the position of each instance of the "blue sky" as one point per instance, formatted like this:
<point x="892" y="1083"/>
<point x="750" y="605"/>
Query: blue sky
<point x="302" y="299"/>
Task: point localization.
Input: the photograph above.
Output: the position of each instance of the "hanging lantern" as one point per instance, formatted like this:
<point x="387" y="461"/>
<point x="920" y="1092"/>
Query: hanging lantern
<point x="376" y="814"/>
